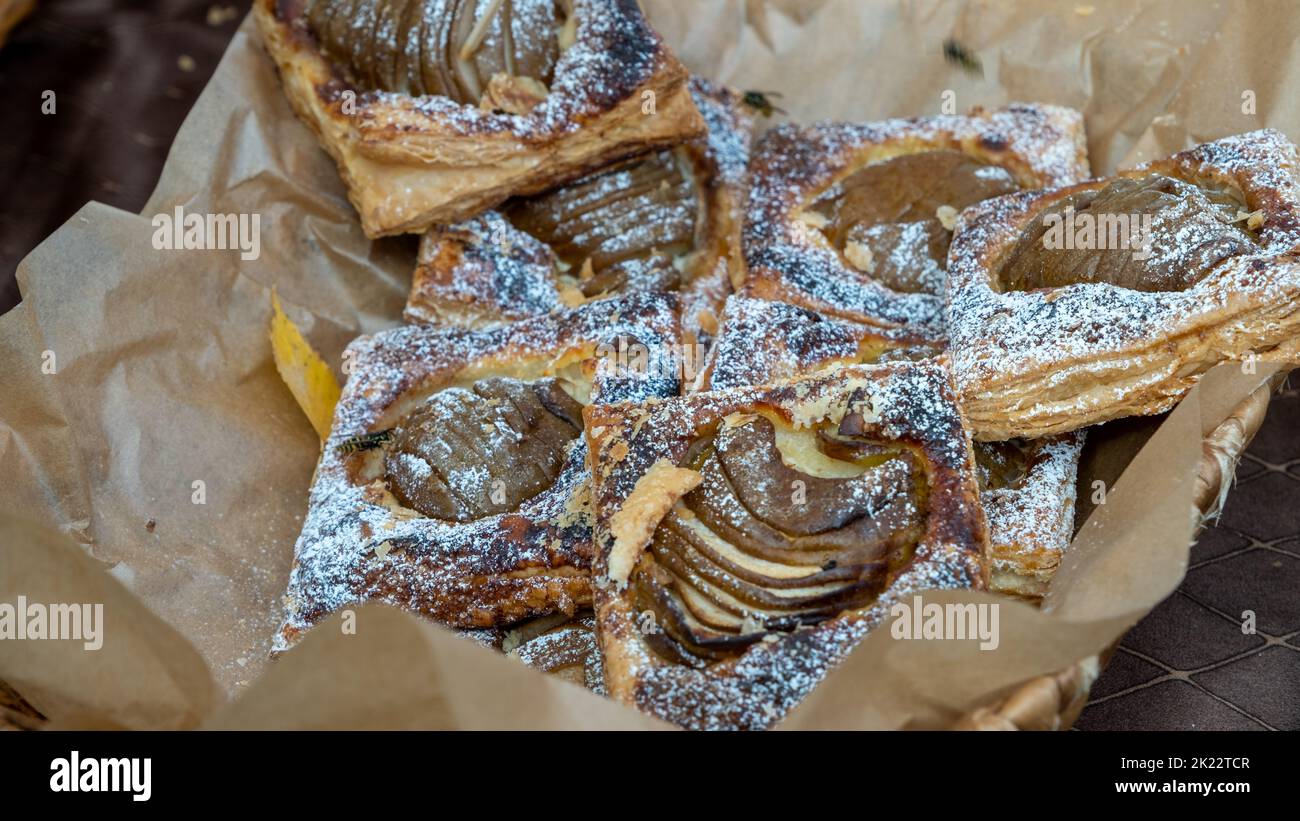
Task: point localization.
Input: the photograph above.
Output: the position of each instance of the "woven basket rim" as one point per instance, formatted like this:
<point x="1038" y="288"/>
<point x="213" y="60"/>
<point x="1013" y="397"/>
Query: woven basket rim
<point x="1053" y="702"/>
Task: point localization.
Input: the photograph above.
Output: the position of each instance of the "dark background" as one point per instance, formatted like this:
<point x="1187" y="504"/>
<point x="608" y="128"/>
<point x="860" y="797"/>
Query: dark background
<point x="126" y="73"/>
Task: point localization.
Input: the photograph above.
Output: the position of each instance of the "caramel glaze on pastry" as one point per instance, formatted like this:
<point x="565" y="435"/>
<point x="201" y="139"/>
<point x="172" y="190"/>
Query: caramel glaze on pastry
<point x="1192" y="230"/>
<point x="451" y="48"/>
<point x="747" y="539"/>
<point x="883" y="218"/>
<point x="435" y="110"/>
<point x="1049" y="336"/>
<point x="665" y="221"/>
<point x="854" y="220"/>
<point x="476" y="510"/>
<point x="1027" y="487"/>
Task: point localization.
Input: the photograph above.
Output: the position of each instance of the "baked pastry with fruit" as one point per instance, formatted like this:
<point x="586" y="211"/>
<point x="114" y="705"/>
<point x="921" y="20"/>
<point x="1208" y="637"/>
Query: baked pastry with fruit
<point x="854" y="220"/>
<point x="562" y="646"/>
<point x="666" y="221"/>
<point x="454" y="481"/>
<point x="435" y="110"/>
<point x="760" y="342"/>
<point x="1110" y="298"/>
<point x="748" y="538"/>
<point x="1027" y="487"/>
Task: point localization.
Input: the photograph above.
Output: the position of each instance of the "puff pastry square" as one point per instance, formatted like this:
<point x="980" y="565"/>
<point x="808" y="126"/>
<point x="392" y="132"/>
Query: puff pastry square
<point x="665" y="221"/>
<point x="1049" y="335"/>
<point x="1027" y="487"/>
<point x="853" y="220"/>
<point x="421" y="521"/>
<point x="429" y="118"/>
<point x="728" y="581"/>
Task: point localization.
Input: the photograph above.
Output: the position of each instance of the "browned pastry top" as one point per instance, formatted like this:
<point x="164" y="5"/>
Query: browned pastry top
<point x="451" y="48"/>
<point x="803" y="512"/>
<point x="466" y="453"/>
<point x="1157" y="233"/>
<point x="622" y="228"/>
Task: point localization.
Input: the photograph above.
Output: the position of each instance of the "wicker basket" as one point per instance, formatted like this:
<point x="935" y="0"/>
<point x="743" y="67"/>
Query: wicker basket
<point x="1054" y="702"/>
<point x="1044" y="703"/>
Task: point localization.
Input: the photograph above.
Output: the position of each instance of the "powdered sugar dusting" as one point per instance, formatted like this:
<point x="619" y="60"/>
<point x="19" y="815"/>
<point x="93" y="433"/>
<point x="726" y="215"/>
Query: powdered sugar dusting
<point x="761" y="342"/>
<point x="1031" y="522"/>
<point x="615" y="52"/>
<point x="486" y="271"/>
<point x="355" y="546"/>
<point x="1070" y="354"/>
<point x="1040" y="145"/>
<point x="905" y="402"/>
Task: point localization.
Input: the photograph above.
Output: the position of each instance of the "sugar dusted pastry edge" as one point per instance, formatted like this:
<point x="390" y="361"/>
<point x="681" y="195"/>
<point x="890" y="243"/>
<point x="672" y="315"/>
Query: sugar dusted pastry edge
<point x="759" y="687"/>
<point x="462" y="267"/>
<point x="1049" y="361"/>
<point x="407" y="166"/>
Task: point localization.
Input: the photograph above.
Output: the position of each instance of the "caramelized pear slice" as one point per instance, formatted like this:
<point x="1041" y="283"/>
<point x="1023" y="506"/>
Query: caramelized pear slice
<point x="620" y="229"/>
<point x="451" y="48"/>
<point x="716" y="504"/>
<point x="767" y="487"/>
<point x="466" y="453"/>
<point x="1177" y="234"/>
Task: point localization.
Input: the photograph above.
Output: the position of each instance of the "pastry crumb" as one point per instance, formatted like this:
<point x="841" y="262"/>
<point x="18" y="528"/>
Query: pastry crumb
<point x="947" y="216"/>
<point x="513" y="95"/>
<point x="860" y="256"/>
<point x="813" y="219"/>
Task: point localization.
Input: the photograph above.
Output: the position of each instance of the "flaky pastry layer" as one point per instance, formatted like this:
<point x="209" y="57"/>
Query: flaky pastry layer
<point x="411" y="162"/>
<point x="1045" y="361"/>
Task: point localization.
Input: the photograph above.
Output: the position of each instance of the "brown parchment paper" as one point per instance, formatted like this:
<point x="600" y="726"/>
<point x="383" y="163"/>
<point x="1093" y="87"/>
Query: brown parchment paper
<point x="176" y="464"/>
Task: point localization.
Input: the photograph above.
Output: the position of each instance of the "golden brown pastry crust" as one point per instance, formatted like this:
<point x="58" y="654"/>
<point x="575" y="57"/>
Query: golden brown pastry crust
<point x="760" y="342"/>
<point x="1030" y="522"/>
<point x="1033" y="363"/>
<point x="485" y="272"/>
<point x="909" y="402"/>
<point x="411" y="162"/>
<point x="791" y="261"/>
<point x="358" y="544"/>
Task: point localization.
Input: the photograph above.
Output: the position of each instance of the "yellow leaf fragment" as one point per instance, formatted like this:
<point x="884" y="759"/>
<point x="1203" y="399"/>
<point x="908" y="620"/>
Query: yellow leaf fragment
<point x="309" y="379"/>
